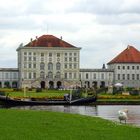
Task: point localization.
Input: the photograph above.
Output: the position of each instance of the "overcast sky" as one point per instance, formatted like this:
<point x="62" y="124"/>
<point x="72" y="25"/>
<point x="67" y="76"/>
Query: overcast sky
<point x="102" y="28"/>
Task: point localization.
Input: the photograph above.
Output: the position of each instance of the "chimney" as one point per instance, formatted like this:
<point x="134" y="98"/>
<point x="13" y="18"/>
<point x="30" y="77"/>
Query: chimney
<point x="103" y="67"/>
<point x="61" y="37"/>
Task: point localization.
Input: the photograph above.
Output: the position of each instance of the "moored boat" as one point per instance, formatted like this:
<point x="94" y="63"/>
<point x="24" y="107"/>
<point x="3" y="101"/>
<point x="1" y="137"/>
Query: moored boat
<point x="29" y="101"/>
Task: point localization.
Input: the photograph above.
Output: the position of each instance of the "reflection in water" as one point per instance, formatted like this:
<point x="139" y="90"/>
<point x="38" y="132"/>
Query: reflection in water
<point x="104" y="111"/>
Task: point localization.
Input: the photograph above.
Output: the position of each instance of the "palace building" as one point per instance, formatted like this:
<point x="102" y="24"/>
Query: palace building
<point x="51" y="62"/>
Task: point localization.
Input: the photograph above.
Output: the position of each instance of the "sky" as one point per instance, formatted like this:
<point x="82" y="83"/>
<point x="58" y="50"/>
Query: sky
<point x="102" y="28"/>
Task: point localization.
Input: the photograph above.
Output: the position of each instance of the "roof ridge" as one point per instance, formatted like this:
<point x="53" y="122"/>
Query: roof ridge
<point x="129" y="55"/>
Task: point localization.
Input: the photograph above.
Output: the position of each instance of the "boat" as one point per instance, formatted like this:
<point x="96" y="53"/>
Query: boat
<point x="32" y="101"/>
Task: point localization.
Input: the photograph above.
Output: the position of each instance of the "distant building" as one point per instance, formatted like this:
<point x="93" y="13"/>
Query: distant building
<point x="126" y="67"/>
<point x="9" y="77"/>
<point x="50" y="62"/>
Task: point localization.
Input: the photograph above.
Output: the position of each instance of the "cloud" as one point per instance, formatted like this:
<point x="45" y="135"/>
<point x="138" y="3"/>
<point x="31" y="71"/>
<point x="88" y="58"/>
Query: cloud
<point x="107" y="7"/>
<point x="102" y="28"/>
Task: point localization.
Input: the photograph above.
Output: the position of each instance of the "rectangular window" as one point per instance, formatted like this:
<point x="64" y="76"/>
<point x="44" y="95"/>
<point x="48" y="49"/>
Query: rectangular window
<point x="66" y="59"/>
<point x="34" y="75"/>
<point x="137" y="67"/>
<point x="70" y="75"/>
<point x="30" y="65"/>
<point x="118" y="67"/>
<point x="30" y="75"/>
<point x="50" y="54"/>
<point x="133" y="67"/>
<point x="7" y="75"/>
<point x="94" y="76"/>
<point x="102" y="76"/>
<point x="66" y="76"/>
<point x="30" y="58"/>
<point x="65" y="54"/>
<point x="70" y="66"/>
<point x="70" y="54"/>
<point x="119" y="77"/>
<point x="25" y="65"/>
<point x="123" y="76"/>
<point x="34" y="58"/>
<point x="138" y="77"/>
<point x="25" y="58"/>
<point x="86" y="75"/>
<point x="58" y="54"/>
<point x="123" y="67"/>
<point x="34" y="65"/>
<point x="42" y="54"/>
<point x="65" y="66"/>
<point x="128" y="67"/>
<point x="75" y="76"/>
<point x="133" y="76"/>
<point x="70" y="59"/>
<point x="15" y="75"/>
<point x="25" y="53"/>
<point x="30" y="53"/>
<point x="128" y="77"/>
<point x="75" y="66"/>
<point x="75" y="59"/>
<point x="75" y="54"/>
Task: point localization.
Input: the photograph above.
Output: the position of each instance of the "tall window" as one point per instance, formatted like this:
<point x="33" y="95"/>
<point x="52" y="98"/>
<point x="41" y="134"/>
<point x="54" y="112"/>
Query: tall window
<point x="66" y="76"/>
<point x="34" y="75"/>
<point x="30" y="66"/>
<point x="58" y="54"/>
<point x="58" y="66"/>
<point x="94" y="76"/>
<point x="75" y="75"/>
<point x="86" y="75"/>
<point x="42" y="54"/>
<point x="138" y="77"/>
<point x="102" y="76"/>
<point x="70" y="75"/>
<point x="50" y="66"/>
<point x="42" y="74"/>
<point x="50" y="74"/>
<point x="50" y="54"/>
<point x="119" y="77"/>
<point x="133" y="76"/>
<point x="128" y="76"/>
<point x="58" y="75"/>
<point x="123" y="76"/>
<point x="133" y="67"/>
<point x="34" y="65"/>
<point x="42" y="66"/>
<point x="118" y="67"/>
<point x="30" y="75"/>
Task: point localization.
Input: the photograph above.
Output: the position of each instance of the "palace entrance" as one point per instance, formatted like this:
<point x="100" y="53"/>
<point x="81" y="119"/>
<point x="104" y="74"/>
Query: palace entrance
<point x="42" y="84"/>
<point x="51" y="84"/>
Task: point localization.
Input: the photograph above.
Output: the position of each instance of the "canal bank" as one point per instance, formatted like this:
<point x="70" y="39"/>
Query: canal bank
<point x="116" y="102"/>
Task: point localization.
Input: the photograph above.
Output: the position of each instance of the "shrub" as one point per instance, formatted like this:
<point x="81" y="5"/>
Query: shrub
<point x="38" y="90"/>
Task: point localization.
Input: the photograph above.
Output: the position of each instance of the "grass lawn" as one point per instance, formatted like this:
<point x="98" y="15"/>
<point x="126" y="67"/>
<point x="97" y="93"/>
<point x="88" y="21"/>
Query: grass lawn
<point x="44" y="125"/>
<point x="33" y="93"/>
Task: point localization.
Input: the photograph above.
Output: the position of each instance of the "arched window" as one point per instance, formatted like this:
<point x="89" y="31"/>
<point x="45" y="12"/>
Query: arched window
<point x="58" y="66"/>
<point x="7" y="84"/>
<point x="42" y="66"/>
<point x="50" y="66"/>
<point x="50" y="74"/>
<point x="42" y="74"/>
<point x="58" y="74"/>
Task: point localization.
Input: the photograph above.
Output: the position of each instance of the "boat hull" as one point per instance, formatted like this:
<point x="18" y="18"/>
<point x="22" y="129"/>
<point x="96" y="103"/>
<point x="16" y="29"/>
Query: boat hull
<point x="14" y="102"/>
